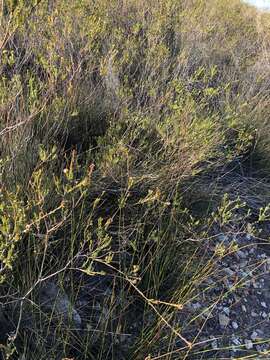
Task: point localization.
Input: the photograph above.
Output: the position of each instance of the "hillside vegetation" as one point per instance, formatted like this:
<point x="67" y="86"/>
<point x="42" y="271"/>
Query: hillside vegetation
<point x="130" y="132"/>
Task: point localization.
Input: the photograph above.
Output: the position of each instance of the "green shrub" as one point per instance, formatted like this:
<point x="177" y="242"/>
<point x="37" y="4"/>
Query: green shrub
<point x="119" y="123"/>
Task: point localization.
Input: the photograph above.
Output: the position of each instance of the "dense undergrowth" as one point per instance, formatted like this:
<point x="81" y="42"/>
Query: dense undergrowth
<point x="123" y="124"/>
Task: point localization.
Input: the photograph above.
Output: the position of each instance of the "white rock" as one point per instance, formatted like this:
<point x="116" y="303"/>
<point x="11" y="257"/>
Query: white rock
<point x="236" y="340"/>
<point x="264" y="304"/>
<point x="248" y="344"/>
<point x="248" y="237"/>
<point x="241" y="254"/>
<point x="244" y="308"/>
<point x="226" y="310"/>
<point x="254" y="335"/>
<point x="235" y="325"/>
<point x="264" y="315"/>
<point x="223" y="320"/>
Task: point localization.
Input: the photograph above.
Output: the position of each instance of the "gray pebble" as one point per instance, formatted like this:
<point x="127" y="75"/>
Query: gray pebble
<point x="236" y="340"/>
<point x="248" y="344"/>
<point x="264" y="315"/>
<point x="244" y="308"/>
<point x="241" y="254"/>
<point x="254" y="336"/>
<point x="226" y="310"/>
<point x="228" y="271"/>
<point x="264" y="304"/>
<point x="223" y="320"/>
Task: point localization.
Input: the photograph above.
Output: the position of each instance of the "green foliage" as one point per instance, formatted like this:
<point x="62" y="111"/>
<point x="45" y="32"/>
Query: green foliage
<point x="116" y="121"/>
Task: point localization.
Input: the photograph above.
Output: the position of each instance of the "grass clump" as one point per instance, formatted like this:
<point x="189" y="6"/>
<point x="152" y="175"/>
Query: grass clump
<point x="122" y="127"/>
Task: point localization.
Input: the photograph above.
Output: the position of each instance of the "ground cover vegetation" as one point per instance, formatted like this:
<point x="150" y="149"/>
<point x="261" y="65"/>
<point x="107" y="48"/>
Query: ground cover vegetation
<point x="130" y="132"/>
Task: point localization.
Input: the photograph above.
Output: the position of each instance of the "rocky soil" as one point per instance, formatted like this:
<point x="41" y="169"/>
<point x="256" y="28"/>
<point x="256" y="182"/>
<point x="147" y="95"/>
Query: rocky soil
<point x="230" y="316"/>
<point x="227" y="318"/>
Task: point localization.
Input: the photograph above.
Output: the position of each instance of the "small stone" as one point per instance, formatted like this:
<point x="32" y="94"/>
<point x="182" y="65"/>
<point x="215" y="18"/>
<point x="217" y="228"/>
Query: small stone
<point x="235" y="325"/>
<point x="196" y="306"/>
<point x="260" y="333"/>
<point x="214" y="345"/>
<point x="207" y="313"/>
<point x="241" y="254"/>
<point x="264" y="304"/>
<point x="236" y="340"/>
<point x="226" y="310"/>
<point x="223" y="320"/>
<point x="228" y="271"/>
<point x="244" y="308"/>
<point x="248" y="344"/>
<point x="243" y="264"/>
<point x="264" y="315"/>
<point x="255" y="285"/>
<point x="254" y="336"/>
<point x="254" y="314"/>
<point x="258" y="348"/>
